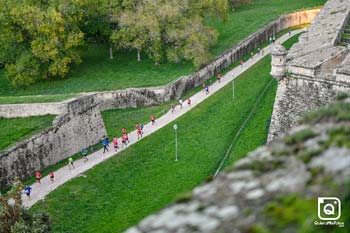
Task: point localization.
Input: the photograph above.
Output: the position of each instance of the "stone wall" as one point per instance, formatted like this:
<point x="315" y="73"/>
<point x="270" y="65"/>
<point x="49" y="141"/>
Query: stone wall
<point x="296" y="96"/>
<point x="317" y="69"/>
<point x="81" y="127"/>
<point x="27" y="110"/>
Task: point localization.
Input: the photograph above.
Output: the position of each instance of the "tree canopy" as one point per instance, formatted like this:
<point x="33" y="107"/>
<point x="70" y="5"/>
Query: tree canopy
<point x="40" y="39"/>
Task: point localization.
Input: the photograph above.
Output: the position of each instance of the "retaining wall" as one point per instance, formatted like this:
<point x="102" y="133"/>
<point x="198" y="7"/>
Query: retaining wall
<point x="80" y="128"/>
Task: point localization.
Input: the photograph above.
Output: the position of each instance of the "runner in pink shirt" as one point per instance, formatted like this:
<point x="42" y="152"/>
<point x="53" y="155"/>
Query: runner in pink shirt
<point x="115" y="143"/>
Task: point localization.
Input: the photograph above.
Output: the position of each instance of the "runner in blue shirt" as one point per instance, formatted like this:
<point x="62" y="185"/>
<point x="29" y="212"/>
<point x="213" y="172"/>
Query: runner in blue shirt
<point x="105" y="144"/>
<point x="27" y="190"/>
<point x="84" y="152"/>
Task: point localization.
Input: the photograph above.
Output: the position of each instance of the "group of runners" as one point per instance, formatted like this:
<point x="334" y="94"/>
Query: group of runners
<point x="124" y="140"/>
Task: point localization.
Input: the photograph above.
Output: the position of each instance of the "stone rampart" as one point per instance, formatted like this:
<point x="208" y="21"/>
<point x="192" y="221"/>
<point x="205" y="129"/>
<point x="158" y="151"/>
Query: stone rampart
<point x="81" y="127"/>
<point x="317" y="69"/>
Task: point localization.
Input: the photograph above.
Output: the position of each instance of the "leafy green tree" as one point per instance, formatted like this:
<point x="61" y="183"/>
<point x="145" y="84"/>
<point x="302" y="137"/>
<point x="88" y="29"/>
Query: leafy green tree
<point x="139" y="30"/>
<point x="16" y="219"/>
<point x="40" y="37"/>
<point x="169" y="30"/>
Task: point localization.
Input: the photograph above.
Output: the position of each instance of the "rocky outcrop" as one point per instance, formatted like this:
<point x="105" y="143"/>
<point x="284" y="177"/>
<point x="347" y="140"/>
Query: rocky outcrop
<point x="273" y="189"/>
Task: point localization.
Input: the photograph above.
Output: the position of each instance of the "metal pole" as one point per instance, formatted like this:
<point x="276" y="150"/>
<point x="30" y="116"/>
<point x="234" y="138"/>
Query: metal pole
<point x="176" y="145"/>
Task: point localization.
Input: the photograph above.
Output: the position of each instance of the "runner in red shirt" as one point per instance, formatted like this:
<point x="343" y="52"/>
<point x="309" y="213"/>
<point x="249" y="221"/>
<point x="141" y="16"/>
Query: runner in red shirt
<point x="219" y="77"/>
<point x="38" y="177"/>
<point x="123" y="131"/>
<point x="124" y="137"/>
<point x="52" y="176"/>
<point x="139" y="133"/>
<point x="115" y="143"/>
<point x="189" y="102"/>
<point x="153" y="119"/>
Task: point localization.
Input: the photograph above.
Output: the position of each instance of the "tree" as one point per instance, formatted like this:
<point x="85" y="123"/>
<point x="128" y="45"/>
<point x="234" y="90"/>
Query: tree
<point x="169" y="30"/>
<point x="16" y="219"/>
<point x="138" y="29"/>
<point x="43" y="38"/>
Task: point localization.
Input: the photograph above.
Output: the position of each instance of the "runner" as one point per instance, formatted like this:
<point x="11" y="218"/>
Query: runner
<point x="123" y="131"/>
<point x="180" y="102"/>
<point x="70" y="163"/>
<point x="115" y="143"/>
<point x="273" y="39"/>
<point x="219" y="77"/>
<point x="153" y="119"/>
<point x="27" y="190"/>
<point x="189" y="101"/>
<point x="38" y="177"/>
<point x="105" y="145"/>
<point x="270" y="39"/>
<point x="252" y="55"/>
<point x="52" y="176"/>
<point x="141" y="126"/>
<point x="137" y="125"/>
<point x="107" y="141"/>
<point x="241" y="62"/>
<point x="258" y="50"/>
<point x="203" y="85"/>
<point x="207" y="89"/>
<point x="139" y="133"/>
<point x="124" y="140"/>
<point x="84" y="152"/>
<point x="172" y="108"/>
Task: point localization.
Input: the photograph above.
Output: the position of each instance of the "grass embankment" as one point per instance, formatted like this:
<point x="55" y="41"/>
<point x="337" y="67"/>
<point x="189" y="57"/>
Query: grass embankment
<point x="144" y="178"/>
<point x="257" y="127"/>
<point x="16" y="129"/>
<point x="115" y="120"/>
<point x="98" y="72"/>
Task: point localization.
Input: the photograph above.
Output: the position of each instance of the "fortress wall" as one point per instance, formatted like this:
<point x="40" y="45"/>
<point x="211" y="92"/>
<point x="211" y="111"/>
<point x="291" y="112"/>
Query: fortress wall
<point x="80" y="123"/>
<point x="316" y="69"/>
<point x="35" y="109"/>
<point x="80" y="128"/>
<point x="296" y="96"/>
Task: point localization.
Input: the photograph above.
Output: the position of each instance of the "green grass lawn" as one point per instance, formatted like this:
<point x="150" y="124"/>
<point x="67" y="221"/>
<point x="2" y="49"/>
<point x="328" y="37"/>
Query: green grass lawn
<point x="97" y="72"/>
<point x="144" y="178"/>
<point x="16" y="129"/>
<point x="117" y="119"/>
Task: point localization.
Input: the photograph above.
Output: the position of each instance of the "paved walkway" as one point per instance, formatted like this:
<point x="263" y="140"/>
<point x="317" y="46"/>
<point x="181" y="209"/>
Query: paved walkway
<point x="64" y="174"/>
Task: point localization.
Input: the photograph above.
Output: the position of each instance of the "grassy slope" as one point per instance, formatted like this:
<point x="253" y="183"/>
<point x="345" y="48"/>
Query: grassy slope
<point x="97" y="72"/>
<point x="115" y="120"/>
<point x="144" y="178"/>
<point x="15" y="129"/>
